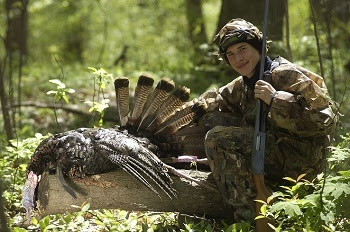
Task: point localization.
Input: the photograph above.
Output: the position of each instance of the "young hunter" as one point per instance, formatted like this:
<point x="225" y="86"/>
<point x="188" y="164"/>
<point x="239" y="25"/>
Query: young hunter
<point x="299" y="123"/>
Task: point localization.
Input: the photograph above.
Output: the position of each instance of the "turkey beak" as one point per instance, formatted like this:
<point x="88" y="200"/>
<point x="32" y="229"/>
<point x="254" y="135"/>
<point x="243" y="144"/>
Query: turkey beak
<point x="29" y="193"/>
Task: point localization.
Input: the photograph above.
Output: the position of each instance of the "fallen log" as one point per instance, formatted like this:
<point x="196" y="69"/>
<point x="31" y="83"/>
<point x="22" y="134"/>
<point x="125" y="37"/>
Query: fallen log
<point x="118" y="190"/>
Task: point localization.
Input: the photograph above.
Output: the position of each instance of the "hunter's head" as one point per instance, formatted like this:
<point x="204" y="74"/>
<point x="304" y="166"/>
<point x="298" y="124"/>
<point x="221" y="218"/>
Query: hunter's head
<point x="240" y="44"/>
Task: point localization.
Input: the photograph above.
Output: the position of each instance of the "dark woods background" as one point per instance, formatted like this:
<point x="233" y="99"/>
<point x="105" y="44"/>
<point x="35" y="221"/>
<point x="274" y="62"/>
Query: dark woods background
<point x="46" y="39"/>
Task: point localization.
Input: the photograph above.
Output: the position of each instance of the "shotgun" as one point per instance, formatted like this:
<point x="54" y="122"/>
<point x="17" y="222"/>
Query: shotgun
<point x="259" y="140"/>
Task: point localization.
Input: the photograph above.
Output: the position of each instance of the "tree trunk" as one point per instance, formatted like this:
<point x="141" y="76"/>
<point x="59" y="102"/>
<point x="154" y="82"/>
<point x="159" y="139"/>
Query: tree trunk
<point x="254" y="13"/>
<point x="119" y="190"/>
<point x="195" y="19"/>
<point x="16" y="43"/>
<point x="75" y="32"/>
<point x="17" y="26"/>
<point x="340" y="9"/>
<point x="4" y="106"/>
<point x="3" y="221"/>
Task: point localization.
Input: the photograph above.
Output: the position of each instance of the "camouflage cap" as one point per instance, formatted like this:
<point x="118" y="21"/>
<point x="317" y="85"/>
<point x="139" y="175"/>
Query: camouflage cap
<point x="236" y="31"/>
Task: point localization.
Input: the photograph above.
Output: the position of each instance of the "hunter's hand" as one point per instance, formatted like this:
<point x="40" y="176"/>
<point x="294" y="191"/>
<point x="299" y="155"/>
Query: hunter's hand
<point x="264" y="91"/>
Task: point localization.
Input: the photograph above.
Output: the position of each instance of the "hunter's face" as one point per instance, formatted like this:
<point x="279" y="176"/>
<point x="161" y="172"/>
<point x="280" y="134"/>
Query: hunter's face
<point x="243" y="58"/>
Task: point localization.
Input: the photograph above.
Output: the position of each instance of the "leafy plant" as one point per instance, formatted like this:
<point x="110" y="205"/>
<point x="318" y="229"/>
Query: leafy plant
<point x="99" y="108"/>
<point x="101" y="77"/>
<point x="320" y="205"/>
<point x="61" y="90"/>
<point x="13" y="170"/>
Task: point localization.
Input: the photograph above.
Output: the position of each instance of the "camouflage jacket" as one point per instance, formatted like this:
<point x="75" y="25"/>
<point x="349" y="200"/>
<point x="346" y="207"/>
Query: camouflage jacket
<point x="300" y="119"/>
<point x="302" y="107"/>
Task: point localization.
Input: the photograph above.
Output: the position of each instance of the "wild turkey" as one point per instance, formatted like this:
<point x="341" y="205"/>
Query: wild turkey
<point x="159" y="123"/>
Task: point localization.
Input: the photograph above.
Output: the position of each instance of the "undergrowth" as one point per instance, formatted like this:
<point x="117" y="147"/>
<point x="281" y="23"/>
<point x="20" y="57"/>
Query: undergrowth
<point x="318" y="205"/>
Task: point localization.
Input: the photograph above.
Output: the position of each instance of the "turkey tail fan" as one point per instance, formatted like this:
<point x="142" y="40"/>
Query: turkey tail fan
<point x="168" y="108"/>
<point x="121" y="85"/>
<point x="143" y="88"/>
<point x="189" y="140"/>
<point x="188" y="113"/>
<point x="160" y="93"/>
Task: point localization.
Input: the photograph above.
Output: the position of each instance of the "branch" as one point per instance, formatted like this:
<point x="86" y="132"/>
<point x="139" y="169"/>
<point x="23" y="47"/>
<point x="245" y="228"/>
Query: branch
<point x="316" y="36"/>
<point x="71" y="109"/>
<point x="105" y="31"/>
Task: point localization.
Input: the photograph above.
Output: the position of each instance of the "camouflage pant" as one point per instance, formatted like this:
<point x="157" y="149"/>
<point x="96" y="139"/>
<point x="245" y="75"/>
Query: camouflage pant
<point x="228" y="150"/>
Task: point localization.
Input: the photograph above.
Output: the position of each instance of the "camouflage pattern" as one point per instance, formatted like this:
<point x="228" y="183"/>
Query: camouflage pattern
<point x="236" y="31"/>
<point x="300" y="121"/>
<point x="227" y="150"/>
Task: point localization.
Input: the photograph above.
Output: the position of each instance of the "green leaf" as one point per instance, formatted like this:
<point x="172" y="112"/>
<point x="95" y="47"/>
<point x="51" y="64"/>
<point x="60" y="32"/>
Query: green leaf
<point x="70" y="90"/>
<point x="51" y="92"/>
<point x="340" y="189"/>
<point x="271" y="226"/>
<point x="59" y="83"/>
<point x="86" y="207"/>
<point x="241" y="227"/>
<point x="34" y="221"/>
<point x="208" y="228"/>
<point x="92" y="69"/>
<point x="65" y="98"/>
<point x="17" y="229"/>
<point x="293" y="210"/>
<point x="290" y="179"/>
<point x="290" y="208"/>
<point x="100" y="122"/>
<point x="67" y="218"/>
<point x="44" y="222"/>
<point x="301" y="176"/>
<point x="263" y="209"/>
<point x="75" y="206"/>
<point x="57" y="97"/>
<point x="260" y="201"/>
<point x="286" y="187"/>
<point x="345" y="173"/>
<point x="259" y="217"/>
<point x="339" y="154"/>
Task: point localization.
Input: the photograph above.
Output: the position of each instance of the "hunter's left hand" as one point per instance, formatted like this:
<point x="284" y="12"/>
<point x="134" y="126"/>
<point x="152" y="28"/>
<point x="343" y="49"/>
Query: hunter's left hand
<point x="264" y="91"/>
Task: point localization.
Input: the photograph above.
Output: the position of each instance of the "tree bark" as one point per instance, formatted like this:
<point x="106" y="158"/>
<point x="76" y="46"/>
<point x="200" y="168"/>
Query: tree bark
<point x="254" y="13"/>
<point x="75" y="33"/>
<point x="196" y="26"/>
<point x="3" y="221"/>
<point x="17" y="26"/>
<point x="117" y="189"/>
<point x="16" y="44"/>
<point x="340" y="9"/>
